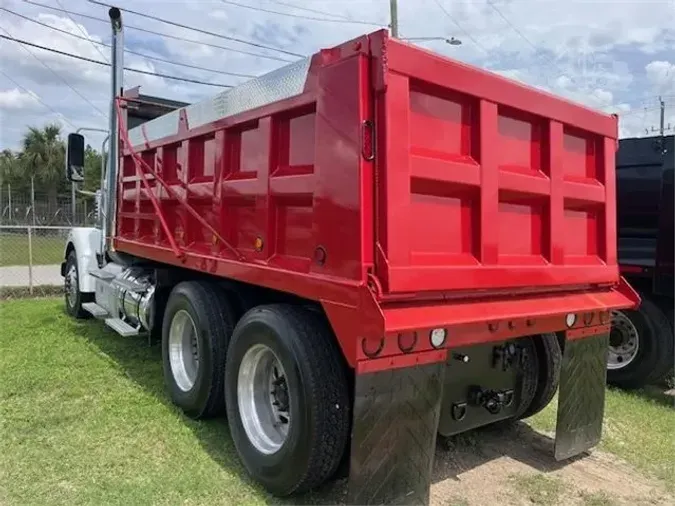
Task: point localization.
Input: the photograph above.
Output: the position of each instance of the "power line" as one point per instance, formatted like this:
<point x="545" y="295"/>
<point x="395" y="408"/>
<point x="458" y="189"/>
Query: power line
<point x="307" y="9"/>
<point x="299" y="16"/>
<point x="159" y="34"/>
<point x="91" y="60"/>
<point x="65" y="81"/>
<point x="513" y="27"/>
<point x="79" y="28"/>
<point x="527" y="40"/>
<point x="149" y="57"/>
<point x="461" y="28"/>
<point x="37" y="97"/>
<point x="206" y="32"/>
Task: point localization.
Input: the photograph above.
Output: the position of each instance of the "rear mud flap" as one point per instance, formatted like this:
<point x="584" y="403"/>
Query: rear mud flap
<point x="394" y="435"/>
<point x="581" y="398"/>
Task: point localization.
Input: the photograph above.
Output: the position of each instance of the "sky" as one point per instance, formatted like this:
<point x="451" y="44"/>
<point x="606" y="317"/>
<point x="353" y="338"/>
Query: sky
<point x="612" y="55"/>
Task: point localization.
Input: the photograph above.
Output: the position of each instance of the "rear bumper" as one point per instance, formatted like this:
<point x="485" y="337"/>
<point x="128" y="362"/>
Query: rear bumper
<point x="483" y="321"/>
<point x="400" y="317"/>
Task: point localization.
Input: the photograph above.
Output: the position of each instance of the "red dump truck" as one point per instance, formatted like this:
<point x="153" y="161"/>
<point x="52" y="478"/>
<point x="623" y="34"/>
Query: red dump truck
<point x="357" y="252"/>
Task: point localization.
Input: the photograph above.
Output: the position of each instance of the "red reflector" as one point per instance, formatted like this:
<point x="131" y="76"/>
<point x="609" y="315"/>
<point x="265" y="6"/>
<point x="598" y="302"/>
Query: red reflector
<point x="367" y="140"/>
<point x="372" y="347"/>
<point x="407" y="341"/>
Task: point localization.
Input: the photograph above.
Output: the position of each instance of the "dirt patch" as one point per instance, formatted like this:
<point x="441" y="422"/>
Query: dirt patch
<point x="513" y="465"/>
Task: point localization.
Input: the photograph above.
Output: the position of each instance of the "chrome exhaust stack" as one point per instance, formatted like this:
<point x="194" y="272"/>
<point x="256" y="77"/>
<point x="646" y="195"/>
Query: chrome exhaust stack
<point x="109" y="190"/>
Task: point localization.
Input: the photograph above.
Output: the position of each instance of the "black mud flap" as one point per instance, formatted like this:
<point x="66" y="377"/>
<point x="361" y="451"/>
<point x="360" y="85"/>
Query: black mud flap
<point x="394" y="435"/>
<point x="581" y="398"/>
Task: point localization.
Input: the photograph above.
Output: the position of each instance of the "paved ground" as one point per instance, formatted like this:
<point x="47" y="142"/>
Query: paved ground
<point x="18" y="275"/>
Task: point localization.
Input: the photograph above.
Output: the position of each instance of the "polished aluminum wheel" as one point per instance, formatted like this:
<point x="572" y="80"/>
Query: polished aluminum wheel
<point x="624" y="341"/>
<point x="71" y="286"/>
<point x="183" y="350"/>
<point x="263" y="398"/>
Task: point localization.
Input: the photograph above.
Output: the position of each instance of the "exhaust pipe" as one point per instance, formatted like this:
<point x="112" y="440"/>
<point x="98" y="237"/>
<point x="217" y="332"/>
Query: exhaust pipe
<point x="116" y="90"/>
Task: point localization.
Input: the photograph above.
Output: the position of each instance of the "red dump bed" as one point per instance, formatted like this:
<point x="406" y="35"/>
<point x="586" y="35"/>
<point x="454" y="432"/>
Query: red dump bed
<point x="380" y="163"/>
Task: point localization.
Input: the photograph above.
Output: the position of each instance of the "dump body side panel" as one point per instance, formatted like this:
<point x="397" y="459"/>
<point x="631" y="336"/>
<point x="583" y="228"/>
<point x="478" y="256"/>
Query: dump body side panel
<point x="276" y="170"/>
<point x="486" y="183"/>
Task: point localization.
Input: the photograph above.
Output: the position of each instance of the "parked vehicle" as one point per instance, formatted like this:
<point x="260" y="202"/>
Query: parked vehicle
<point x="642" y="349"/>
<point x="358" y="251"/>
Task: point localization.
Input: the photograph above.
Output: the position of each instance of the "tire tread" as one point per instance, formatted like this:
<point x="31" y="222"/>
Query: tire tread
<point x="323" y="375"/>
<point x="220" y="320"/>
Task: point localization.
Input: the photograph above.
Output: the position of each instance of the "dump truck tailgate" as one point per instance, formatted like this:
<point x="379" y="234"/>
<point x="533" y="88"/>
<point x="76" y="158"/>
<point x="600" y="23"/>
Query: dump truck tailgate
<point x="484" y="183"/>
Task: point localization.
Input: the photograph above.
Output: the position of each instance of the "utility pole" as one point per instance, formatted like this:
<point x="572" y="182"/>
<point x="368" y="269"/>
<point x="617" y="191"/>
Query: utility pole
<point x="662" y="119"/>
<point x="662" y="124"/>
<point x="393" y="11"/>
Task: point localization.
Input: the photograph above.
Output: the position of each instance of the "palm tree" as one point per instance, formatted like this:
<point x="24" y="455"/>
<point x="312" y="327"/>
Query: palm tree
<point x="8" y="167"/>
<point x="43" y="157"/>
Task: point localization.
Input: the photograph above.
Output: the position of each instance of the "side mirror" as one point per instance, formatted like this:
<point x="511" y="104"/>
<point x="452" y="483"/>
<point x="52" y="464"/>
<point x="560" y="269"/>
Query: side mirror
<point x="75" y="158"/>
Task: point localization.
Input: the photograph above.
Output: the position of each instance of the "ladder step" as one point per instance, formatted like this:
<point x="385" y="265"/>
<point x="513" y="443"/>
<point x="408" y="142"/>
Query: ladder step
<point x="95" y="310"/>
<point x="121" y="327"/>
<point x="101" y="274"/>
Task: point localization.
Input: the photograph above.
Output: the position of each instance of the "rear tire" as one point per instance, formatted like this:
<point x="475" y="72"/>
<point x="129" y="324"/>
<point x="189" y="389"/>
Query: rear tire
<point x="649" y="330"/>
<point x="550" y="359"/>
<point x="290" y="440"/>
<point x="196" y="330"/>
<point x="73" y="297"/>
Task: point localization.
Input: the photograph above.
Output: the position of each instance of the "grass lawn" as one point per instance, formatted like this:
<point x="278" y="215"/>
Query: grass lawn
<point x="638" y="427"/>
<point x="84" y="420"/>
<point x="46" y="249"/>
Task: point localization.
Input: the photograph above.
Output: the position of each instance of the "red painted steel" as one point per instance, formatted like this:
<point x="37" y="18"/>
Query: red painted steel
<point x="485" y="199"/>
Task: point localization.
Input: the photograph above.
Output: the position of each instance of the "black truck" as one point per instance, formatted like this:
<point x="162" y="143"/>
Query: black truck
<point x="642" y="349"/>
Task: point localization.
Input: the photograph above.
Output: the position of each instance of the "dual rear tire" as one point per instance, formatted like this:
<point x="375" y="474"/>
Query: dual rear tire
<point x="278" y="374"/>
<point x="641" y="346"/>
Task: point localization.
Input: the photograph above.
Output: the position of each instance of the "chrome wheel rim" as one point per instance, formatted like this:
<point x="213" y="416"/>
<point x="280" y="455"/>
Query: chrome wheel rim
<point x="624" y="342"/>
<point x="183" y="350"/>
<point x="70" y="288"/>
<point x="263" y="399"/>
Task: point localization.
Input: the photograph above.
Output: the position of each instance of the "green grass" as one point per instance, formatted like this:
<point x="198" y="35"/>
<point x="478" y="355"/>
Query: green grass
<point x="84" y="420"/>
<point x="538" y="488"/>
<point x="46" y="250"/>
<point x="596" y="499"/>
<point x="638" y="427"/>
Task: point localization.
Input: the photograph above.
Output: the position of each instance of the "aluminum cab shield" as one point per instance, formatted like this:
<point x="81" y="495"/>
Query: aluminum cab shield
<point x="394" y="435"/>
<point x="581" y="398"/>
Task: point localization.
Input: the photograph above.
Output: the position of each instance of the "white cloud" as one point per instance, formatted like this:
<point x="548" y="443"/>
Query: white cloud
<point x="17" y="99"/>
<point x="608" y="54"/>
<point x="661" y="75"/>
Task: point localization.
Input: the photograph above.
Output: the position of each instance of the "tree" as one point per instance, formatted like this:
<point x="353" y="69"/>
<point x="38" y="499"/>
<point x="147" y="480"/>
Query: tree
<point x="92" y="169"/>
<point x="8" y="167"/>
<point x="43" y="157"/>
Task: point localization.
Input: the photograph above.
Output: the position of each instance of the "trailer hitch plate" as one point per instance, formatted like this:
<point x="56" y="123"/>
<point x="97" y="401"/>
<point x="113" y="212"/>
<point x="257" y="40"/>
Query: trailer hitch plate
<point x="394" y="435"/>
<point x="581" y="398"/>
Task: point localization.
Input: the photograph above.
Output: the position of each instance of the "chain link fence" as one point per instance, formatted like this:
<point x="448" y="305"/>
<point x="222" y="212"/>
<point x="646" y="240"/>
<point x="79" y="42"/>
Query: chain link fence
<point x="33" y="231"/>
<point x="30" y="208"/>
<point x="30" y="257"/>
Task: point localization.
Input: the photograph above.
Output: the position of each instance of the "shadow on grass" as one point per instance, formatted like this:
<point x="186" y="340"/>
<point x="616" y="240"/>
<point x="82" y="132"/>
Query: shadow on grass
<point x="142" y="363"/>
<point x="656" y="393"/>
